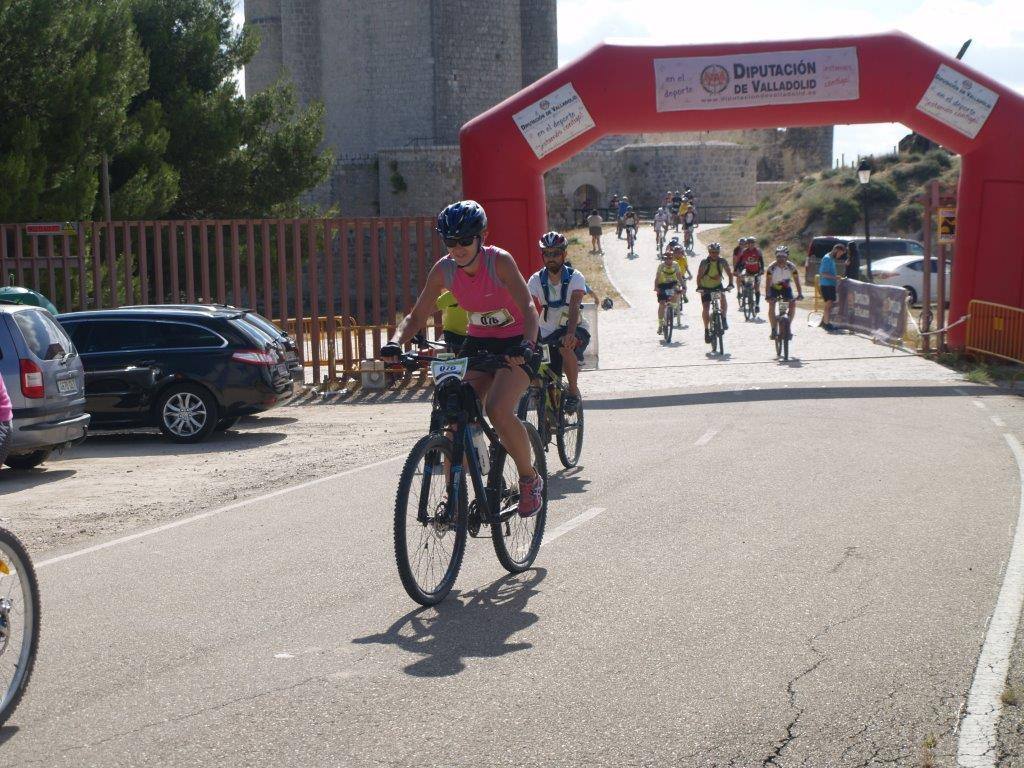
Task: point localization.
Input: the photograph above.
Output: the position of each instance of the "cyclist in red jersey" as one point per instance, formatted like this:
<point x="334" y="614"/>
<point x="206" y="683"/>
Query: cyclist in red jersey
<point x="750" y="263"/>
<point x="487" y="283"/>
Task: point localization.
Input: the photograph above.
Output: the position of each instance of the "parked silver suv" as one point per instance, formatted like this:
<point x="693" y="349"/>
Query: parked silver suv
<point x="45" y="381"/>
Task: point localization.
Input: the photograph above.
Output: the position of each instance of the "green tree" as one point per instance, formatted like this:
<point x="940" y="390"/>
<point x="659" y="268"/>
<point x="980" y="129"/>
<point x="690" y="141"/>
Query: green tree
<point x="69" y="70"/>
<point x="233" y="156"/>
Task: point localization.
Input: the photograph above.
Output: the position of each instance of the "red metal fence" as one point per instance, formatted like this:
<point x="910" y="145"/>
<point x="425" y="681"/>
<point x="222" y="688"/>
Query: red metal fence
<point x="347" y="273"/>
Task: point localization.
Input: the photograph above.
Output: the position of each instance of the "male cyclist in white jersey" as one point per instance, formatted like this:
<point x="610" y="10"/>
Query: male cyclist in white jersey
<point x="777" y="286"/>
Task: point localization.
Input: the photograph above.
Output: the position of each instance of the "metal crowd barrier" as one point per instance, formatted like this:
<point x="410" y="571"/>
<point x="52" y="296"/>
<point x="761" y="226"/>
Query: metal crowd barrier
<point x="996" y="330"/>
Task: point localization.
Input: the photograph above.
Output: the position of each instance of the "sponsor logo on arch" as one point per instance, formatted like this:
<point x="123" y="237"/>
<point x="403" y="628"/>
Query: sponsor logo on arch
<point x="756" y="79"/>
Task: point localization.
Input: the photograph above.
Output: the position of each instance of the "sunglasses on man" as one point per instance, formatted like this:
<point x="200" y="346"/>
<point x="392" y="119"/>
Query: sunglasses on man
<point x="552" y="251"/>
<point x="451" y="242"/>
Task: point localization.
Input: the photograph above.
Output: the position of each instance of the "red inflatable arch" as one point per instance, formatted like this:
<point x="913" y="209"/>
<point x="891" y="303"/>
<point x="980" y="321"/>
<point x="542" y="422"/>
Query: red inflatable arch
<point x="616" y="89"/>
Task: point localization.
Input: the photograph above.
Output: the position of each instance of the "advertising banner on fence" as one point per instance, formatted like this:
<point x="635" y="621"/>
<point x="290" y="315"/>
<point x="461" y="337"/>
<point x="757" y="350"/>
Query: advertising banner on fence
<point x="756" y="79"/>
<point x="958" y="101"/>
<point x="880" y="310"/>
<point x="558" y="118"/>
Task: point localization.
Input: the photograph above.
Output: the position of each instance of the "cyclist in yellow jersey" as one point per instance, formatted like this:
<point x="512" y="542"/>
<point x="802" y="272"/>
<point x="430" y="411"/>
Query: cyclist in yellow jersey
<point x="667" y="280"/>
<point x="679" y="253"/>
<point x="709" y="276"/>
<point x="454" y="321"/>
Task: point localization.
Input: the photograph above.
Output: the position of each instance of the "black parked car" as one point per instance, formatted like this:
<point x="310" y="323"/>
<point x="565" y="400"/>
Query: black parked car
<point x="287" y="348"/>
<point x="188" y="373"/>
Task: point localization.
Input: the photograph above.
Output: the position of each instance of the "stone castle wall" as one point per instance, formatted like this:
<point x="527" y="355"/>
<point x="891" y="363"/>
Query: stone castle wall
<point x="399" y="78"/>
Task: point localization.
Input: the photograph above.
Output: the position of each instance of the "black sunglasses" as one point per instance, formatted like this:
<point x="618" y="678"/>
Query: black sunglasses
<point x="451" y="242"/>
<point x="553" y="251"/>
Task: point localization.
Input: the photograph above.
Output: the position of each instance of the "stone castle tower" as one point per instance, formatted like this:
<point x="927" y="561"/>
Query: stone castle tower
<point x="398" y="79"/>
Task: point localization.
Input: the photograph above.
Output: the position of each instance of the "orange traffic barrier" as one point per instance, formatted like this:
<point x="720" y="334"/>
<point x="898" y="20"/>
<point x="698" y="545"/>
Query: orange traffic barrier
<point x="996" y="330"/>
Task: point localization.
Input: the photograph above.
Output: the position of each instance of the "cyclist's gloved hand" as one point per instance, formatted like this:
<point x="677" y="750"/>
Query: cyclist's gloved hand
<point x="527" y="352"/>
<point x="390" y="351"/>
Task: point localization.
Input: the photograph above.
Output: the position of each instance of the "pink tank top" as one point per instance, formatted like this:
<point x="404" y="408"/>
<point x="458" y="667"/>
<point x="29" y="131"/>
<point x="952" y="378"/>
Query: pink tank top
<point x="6" y="414"/>
<point x="492" y="312"/>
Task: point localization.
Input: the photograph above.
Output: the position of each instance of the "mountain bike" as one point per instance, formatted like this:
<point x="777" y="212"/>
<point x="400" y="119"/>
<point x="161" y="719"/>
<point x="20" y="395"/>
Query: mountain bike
<point x="433" y="513"/>
<point x="783" y="328"/>
<point x="748" y="300"/>
<point x="19" y="621"/>
<point x="668" y="312"/>
<point x="688" y="238"/>
<point x="679" y="306"/>
<point x="630" y="240"/>
<point x="547" y="396"/>
<point x="715" y="321"/>
<point x="659" y="234"/>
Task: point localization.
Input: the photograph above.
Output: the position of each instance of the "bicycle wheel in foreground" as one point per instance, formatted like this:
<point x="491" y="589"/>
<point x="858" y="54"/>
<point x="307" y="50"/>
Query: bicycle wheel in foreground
<point x="430" y="536"/>
<point x="570" y="434"/>
<point x="19" y="621"/>
<point x="516" y="539"/>
<point x="666" y="325"/>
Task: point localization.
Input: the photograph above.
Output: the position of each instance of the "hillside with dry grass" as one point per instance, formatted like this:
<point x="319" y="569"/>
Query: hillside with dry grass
<point x="830" y="203"/>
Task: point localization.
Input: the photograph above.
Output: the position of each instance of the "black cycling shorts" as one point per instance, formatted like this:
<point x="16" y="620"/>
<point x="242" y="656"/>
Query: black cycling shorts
<point x="554" y="342"/>
<point x="705" y="295"/>
<point x="786" y="294"/>
<point x="828" y="292"/>
<point x="474" y="345"/>
<point x="667" y="291"/>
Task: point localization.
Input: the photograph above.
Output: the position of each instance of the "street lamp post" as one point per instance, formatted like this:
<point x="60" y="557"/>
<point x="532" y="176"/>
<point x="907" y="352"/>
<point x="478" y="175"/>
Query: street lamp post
<point x="864" y="176"/>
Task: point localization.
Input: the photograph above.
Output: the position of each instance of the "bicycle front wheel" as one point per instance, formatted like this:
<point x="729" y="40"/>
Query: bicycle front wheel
<point x="570" y="434"/>
<point x="782" y="340"/>
<point x="516" y="539"/>
<point x="666" y="325"/>
<point x="430" y="528"/>
<point x="19" y="621"/>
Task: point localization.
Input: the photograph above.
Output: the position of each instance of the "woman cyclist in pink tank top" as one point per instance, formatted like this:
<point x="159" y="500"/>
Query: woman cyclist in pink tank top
<point x="486" y="282"/>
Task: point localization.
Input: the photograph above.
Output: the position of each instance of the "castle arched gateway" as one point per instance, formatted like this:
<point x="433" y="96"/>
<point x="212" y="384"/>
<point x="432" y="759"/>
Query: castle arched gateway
<point x="618" y="89"/>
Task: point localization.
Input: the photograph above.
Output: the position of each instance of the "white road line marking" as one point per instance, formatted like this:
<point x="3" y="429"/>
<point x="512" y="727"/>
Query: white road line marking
<point x="569" y="525"/>
<point x="212" y="512"/>
<point x="977" y="745"/>
<point x="997" y="421"/>
<point x="978" y="404"/>
<point x="706" y="437"/>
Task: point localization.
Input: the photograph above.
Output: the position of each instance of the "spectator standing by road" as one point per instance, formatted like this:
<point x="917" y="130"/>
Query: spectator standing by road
<point x="827" y="282"/>
<point x="594" y="223"/>
<point x="6" y="420"/>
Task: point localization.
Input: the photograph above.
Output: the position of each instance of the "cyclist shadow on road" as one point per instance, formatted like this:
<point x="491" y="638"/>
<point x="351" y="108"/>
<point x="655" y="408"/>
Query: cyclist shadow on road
<point x="566" y="482"/>
<point x="474" y="624"/>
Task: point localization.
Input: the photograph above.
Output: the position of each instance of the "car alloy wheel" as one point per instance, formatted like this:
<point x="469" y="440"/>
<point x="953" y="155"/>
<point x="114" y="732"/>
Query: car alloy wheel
<point x="187" y="413"/>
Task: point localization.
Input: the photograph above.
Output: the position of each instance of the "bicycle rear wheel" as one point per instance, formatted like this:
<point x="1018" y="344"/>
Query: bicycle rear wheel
<point x="516" y="539"/>
<point x="430" y="536"/>
<point x="570" y="434"/>
<point x="19" y="622"/>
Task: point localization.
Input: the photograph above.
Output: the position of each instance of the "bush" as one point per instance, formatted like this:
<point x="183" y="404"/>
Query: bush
<point x="840" y="216"/>
<point x="907" y="218"/>
<point x="925" y="169"/>
<point x="941" y="157"/>
<point x="882" y="193"/>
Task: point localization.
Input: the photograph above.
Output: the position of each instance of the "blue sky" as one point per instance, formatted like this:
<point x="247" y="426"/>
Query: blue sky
<point x="996" y="27"/>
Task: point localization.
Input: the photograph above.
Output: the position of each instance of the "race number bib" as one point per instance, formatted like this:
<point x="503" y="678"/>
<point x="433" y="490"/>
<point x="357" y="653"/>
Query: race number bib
<point x="563" y="318"/>
<point x="496" y="318"/>
<point x="447" y="369"/>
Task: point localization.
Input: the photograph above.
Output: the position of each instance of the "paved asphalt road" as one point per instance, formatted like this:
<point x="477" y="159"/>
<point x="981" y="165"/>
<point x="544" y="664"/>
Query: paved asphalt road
<point x="797" y="574"/>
